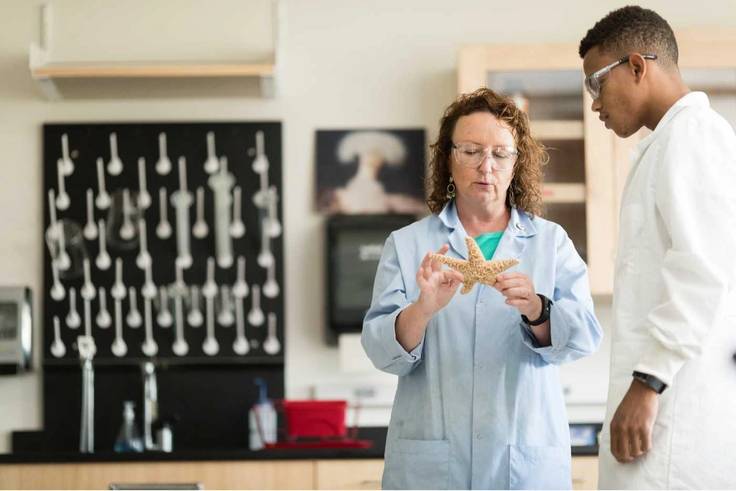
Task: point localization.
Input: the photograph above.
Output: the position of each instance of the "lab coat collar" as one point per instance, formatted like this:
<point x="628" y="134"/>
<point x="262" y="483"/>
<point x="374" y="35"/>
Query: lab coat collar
<point x="691" y="99"/>
<point x="448" y="216"/>
<point x="513" y="242"/>
<point x="520" y="226"/>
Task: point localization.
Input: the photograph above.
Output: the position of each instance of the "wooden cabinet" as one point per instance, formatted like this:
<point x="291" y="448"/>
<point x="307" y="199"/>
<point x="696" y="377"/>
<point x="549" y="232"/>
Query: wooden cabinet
<point x="579" y="186"/>
<point x="295" y="474"/>
<point x="366" y="474"/>
<point x="284" y="474"/>
<point x="10" y="477"/>
<point x="348" y="474"/>
<point x="588" y="163"/>
<point x="585" y="472"/>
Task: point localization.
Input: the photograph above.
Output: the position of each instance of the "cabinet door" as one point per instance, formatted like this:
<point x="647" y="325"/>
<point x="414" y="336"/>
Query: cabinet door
<point x="601" y="200"/>
<point x="10" y="476"/>
<point x="297" y="474"/>
<point x="585" y="472"/>
<point x="538" y="74"/>
<point x="349" y="474"/>
<point x="579" y="184"/>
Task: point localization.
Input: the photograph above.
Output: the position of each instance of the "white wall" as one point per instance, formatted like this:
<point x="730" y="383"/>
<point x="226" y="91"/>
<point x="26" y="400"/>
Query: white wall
<point x="344" y="63"/>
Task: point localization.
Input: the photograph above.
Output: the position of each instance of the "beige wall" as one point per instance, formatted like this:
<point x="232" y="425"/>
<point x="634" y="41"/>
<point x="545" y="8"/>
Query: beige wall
<point x="345" y="63"/>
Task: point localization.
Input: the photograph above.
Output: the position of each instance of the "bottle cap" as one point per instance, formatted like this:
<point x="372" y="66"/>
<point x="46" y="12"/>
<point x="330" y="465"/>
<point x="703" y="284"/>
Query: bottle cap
<point x="262" y="390"/>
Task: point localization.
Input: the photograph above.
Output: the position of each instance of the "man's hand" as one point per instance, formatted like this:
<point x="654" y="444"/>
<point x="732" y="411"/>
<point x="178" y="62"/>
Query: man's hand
<point x="633" y="422"/>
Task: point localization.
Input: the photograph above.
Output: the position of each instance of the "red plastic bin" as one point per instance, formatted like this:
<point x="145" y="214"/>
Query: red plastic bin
<point x="315" y="419"/>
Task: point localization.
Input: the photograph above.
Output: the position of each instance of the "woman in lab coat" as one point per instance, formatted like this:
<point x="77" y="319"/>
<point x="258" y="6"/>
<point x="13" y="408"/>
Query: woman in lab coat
<point x="479" y="403"/>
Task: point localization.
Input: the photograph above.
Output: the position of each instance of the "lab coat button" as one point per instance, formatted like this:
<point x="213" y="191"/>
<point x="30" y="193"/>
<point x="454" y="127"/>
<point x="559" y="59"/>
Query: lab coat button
<point x="520" y="226"/>
<point x="479" y="436"/>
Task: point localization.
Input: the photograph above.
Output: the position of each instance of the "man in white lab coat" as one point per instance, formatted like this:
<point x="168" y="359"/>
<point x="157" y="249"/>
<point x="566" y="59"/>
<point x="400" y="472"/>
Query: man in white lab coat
<point x="671" y="419"/>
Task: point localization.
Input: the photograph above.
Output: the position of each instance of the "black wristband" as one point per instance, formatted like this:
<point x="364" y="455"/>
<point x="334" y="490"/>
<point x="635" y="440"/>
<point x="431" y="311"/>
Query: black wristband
<point x="650" y="381"/>
<point x="544" y="316"/>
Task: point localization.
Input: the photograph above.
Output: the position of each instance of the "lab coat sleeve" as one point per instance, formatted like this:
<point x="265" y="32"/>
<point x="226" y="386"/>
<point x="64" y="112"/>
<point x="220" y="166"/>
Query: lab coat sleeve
<point x="379" y="332"/>
<point x="696" y="206"/>
<point x="575" y="331"/>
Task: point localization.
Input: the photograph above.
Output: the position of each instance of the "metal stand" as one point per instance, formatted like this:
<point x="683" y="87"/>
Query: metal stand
<point x="87" y="350"/>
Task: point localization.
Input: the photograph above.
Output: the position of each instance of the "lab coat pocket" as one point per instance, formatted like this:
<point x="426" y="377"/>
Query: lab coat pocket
<point x="418" y="464"/>
<point x="533" y="467"/>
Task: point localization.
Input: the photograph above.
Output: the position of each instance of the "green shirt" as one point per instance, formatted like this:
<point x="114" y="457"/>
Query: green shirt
<point x="488" y="243"/>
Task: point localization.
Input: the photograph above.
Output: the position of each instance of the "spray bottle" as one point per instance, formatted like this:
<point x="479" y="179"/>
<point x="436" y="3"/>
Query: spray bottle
<point x="262" y="418"/>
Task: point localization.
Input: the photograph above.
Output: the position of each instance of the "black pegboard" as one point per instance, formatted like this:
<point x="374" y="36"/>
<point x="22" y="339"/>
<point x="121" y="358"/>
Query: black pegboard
<point x="236" y="141"/>
<point x="211" y="403"/>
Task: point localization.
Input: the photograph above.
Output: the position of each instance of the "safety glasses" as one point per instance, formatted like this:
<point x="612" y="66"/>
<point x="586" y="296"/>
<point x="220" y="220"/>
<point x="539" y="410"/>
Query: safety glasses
<point x="593" y="81"/>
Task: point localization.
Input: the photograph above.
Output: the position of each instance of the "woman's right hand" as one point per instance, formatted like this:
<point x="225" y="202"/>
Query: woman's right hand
<point x="437" y="286"/>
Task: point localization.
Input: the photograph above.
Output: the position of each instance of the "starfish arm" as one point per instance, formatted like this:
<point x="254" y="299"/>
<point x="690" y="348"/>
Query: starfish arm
<point x="474" y="253"/>
<point x="467" y="287"/>
<point x="499" y="265"/>
<point x="491" y="269"/>
<point x="456" y="264"/>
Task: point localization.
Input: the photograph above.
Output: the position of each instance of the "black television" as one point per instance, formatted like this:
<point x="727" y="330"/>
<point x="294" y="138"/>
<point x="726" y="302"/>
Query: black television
<point x="354" y="245"/>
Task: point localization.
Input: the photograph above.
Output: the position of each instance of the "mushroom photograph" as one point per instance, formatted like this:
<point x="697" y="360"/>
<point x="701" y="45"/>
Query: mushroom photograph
<point x="370" y="171"/>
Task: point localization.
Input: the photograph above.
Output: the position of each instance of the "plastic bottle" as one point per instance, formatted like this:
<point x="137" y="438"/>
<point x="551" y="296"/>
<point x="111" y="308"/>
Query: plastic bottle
<point x="262" y="419"/>
<point x="165" y="437"/>
<point x="129" y="437"/>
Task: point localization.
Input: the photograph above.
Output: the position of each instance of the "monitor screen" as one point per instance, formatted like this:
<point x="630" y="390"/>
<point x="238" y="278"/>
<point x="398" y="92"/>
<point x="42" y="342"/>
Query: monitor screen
<point x="356" y="256"/>
<point x="8" y="320"/>
<point x="355" y="247"/>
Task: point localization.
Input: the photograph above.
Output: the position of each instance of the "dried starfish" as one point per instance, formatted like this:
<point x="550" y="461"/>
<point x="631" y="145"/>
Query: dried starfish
<point x="476" y="269"/>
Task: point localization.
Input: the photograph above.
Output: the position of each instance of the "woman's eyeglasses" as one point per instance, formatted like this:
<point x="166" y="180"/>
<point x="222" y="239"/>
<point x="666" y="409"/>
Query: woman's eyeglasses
<point x="503" y="157"/>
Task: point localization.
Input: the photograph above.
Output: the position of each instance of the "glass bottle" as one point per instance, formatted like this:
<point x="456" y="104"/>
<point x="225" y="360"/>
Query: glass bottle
<point x="129" y="437"/>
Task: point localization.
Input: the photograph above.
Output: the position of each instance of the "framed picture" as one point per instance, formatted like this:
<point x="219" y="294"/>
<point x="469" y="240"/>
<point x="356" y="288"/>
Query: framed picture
<point x="370" y="171"/>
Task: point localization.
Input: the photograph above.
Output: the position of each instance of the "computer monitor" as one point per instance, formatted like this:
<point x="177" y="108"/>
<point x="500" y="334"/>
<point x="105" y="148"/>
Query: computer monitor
<point x="354" y="246"/>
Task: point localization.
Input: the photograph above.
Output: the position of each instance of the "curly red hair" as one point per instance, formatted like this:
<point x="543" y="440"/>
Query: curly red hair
<point x="526" y="185"/>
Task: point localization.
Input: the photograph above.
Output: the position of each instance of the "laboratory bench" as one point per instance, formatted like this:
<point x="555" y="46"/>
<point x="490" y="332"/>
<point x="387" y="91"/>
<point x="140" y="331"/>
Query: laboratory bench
<point x="376" y="452"/>
<point x="312" y="468"/>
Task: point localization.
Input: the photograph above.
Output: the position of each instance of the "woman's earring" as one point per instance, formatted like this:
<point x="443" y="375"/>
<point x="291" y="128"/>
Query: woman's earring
<point x="451" y="189"/>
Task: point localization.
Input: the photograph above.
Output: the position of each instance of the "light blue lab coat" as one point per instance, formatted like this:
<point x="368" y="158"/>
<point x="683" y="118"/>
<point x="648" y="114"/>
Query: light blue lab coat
<point x="479" y="404"/>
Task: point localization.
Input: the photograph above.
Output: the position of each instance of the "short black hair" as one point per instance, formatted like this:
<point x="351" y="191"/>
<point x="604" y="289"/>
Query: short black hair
<point x="632" y="29"/>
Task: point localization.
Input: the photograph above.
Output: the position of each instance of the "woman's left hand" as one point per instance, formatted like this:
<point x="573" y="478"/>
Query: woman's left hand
<point x="519" y="292"/>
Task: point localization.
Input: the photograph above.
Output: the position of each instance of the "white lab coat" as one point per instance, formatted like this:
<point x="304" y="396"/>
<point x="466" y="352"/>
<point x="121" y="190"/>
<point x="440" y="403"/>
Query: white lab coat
<point x="674" y="306"/>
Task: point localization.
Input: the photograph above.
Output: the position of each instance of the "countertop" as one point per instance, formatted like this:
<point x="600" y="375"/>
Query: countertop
<point x="376" y="434"/>
<point x="192" y="455"/>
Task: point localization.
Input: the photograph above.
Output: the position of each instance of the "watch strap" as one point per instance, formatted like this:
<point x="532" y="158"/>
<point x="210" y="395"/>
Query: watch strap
<point x="650" y="381"/>
<point x="544" y="316"/>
